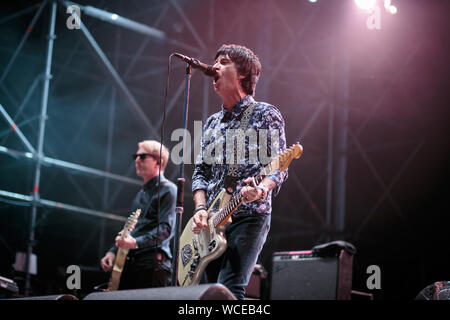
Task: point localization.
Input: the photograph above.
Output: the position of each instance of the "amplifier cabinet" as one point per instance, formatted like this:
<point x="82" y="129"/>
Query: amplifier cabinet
<point x="302" y="275"/>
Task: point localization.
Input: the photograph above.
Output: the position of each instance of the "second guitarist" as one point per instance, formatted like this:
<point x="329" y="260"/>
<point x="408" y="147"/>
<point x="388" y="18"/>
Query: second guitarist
<point x="238" y="70"/>
<point x="149" y="260"/>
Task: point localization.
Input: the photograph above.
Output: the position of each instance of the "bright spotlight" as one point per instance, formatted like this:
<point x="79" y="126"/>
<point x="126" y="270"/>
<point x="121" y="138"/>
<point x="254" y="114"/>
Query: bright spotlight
<point x="365" y="4"/>
<point x="393" y="9"/>
<point x="312" y="1"/>
<point x="114" y="16"/>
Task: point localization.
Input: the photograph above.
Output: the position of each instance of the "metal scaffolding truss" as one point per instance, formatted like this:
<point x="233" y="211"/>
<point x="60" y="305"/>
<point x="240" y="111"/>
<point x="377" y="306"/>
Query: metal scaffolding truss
<point x="331" y="102"/>
<point x="36" y="154"/>
<point x="306" y="73"/>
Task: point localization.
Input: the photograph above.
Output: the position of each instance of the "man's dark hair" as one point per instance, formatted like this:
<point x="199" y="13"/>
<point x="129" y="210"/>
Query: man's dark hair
<point x="247" y="64"/>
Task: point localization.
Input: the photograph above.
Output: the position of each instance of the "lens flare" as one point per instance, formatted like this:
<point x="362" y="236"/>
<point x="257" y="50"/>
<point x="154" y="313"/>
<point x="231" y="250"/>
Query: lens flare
<point x="393" y="9"/>
<point x="365" y="4"/>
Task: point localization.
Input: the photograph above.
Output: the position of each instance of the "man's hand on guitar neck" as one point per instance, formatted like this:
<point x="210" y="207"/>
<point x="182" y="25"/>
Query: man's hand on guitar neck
<point x="127" y="243"/>
<point x="250" y="193"/>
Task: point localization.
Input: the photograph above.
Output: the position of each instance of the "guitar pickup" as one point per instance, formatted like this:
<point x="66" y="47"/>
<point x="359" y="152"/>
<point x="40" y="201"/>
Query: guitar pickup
<point x="212" y="245"/>
<point x="194" y="263"/>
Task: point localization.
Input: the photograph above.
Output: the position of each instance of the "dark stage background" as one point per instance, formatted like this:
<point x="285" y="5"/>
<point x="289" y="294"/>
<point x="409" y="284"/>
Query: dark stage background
<point x="320" y="63"/>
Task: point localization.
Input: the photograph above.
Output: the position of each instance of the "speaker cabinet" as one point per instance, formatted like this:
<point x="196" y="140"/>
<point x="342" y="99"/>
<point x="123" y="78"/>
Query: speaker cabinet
<point x="213" y="291"/>
<point x="302" y="275"/>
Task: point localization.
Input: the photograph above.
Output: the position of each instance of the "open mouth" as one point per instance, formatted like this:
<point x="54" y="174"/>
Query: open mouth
<point x="216" y="78"/>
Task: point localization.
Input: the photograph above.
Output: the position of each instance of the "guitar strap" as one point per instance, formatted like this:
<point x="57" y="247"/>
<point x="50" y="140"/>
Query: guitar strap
<point x="231" y="177"/>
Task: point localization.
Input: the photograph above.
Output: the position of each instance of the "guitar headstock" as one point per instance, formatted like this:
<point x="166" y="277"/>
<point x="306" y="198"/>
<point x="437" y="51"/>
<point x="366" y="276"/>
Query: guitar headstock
<point x="132" y="220"/>
<point x="293" y="152"/>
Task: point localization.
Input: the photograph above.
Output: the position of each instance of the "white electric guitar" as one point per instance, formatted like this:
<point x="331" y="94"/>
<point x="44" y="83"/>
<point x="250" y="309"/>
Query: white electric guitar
<point x="198" y="250"/>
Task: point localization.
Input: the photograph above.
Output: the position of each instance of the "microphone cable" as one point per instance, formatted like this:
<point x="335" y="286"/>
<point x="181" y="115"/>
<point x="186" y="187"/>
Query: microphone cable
<point x="160" y="158"/>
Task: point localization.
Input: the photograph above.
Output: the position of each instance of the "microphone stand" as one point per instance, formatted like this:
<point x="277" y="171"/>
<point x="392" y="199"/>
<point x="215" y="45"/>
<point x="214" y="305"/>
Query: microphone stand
<point x="180" y="182"/>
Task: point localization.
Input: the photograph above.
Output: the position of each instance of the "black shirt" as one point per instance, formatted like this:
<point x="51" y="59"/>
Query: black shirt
<point x="146" y="229"/>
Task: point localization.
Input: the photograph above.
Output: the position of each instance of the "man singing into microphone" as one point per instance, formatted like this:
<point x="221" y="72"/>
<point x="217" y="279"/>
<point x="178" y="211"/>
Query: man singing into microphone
<point x="237" y="71"/>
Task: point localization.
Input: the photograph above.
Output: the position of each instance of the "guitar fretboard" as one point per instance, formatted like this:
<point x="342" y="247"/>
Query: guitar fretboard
<point x="236" y="200"/>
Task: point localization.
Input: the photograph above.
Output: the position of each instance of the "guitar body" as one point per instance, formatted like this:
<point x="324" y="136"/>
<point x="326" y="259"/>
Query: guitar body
<point x="116" y="272"/>
<point x="198" y="250"/>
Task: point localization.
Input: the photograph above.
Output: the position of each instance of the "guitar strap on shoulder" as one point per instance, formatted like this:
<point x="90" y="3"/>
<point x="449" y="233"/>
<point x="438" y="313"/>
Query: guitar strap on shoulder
<point x="231" y="177"/>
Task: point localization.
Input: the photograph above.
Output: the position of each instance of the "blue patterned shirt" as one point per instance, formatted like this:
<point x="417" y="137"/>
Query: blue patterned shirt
<point x="265" y="131"/>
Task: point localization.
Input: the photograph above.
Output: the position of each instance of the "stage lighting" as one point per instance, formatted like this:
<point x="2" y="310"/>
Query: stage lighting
<point x="365" y="4"/>
<point x="312" y="1"/>
<point x="392" y="9"/>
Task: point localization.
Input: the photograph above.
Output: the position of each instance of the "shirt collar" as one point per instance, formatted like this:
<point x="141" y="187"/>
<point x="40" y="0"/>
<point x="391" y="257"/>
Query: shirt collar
<point x="153" y="182"/>
<point x="237" y="108"/>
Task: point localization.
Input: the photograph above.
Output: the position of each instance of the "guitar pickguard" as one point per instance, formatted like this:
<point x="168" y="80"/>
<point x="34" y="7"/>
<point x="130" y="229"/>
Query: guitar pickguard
<point x="186" y="254"/>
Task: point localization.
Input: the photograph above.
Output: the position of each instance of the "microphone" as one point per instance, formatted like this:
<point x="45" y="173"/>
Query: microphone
<point x="196" y="64"/>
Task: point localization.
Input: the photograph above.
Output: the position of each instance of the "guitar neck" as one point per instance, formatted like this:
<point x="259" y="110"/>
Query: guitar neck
<point x="281" y="162"/>
<point x="236" y="200"/>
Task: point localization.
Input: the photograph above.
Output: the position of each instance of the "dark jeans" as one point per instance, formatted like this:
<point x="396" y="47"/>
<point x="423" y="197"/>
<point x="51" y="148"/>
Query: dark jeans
<point x="245" y="236"/>
<point x="147" y="271"/>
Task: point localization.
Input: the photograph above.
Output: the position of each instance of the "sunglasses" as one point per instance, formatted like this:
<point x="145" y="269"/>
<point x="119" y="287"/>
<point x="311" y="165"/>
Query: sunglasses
<point x="142" y="156"/>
